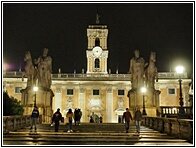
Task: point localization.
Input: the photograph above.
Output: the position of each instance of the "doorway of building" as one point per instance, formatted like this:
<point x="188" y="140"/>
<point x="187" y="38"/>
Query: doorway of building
<point x="120" y="118"/>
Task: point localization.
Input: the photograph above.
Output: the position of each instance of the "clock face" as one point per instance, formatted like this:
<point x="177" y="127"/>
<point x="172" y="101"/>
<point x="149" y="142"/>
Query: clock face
<point x="97" y="51"/>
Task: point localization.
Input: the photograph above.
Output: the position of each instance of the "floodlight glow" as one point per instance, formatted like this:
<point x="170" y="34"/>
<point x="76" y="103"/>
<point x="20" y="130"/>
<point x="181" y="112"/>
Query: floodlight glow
<point x="143" y="89"/>
<point x="35" y="88"/>
<point x="179" y="69"/>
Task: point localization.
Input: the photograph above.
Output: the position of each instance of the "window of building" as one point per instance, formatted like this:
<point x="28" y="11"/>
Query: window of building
<point x="97" y="42"/>
<point x="95" y="92"/>
<point x="69" y="91"/>
<point x="97" y="62"/>
<point x="171" y="91"/>
<point x="121" y="92"/>
<point x="17" y="89"/>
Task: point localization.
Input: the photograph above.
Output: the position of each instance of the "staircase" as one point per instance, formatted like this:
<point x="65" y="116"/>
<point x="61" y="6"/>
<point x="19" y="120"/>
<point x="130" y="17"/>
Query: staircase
<point x="91" y="134"/>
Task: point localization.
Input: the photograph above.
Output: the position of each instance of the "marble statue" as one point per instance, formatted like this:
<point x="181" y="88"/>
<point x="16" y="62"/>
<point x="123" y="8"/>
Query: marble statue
<point x="44" y="69"/>
<point x="120" y="103"/>
<point x="151" y="72"/>
<point x="30" y="71"/>
<point x="70" y="103"/>
<point x="136" y="70"/>
<point x="97" y="18"/>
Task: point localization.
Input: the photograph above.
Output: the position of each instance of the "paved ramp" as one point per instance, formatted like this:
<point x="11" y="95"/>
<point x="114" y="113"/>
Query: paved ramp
<point x="91" y="134"/>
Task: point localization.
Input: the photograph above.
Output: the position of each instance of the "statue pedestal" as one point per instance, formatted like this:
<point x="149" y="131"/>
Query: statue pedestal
<point x="151" y="101"/>
<point x="43" y="99"/>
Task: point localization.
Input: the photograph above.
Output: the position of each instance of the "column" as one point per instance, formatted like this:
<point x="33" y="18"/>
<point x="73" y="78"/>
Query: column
<point x="58" y="99"/>
<point x="109" y="106"/>
<point x="81" y="103"/>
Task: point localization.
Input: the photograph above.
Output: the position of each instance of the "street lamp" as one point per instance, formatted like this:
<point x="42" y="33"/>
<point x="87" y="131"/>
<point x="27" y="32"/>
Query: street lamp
<point x="35" y="88"/>
<point x="144" y="110"/>
<point x="181" y="113"/>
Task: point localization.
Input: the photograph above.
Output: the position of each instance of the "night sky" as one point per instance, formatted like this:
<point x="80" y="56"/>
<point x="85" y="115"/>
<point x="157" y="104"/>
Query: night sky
<point x="165" y="28"/>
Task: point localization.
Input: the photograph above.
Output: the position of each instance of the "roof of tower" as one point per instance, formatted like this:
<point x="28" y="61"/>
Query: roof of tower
<point x="97" y="26"/>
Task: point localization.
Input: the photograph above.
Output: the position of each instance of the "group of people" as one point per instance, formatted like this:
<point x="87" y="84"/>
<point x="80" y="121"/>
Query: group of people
<point x="70" y="116"/>
<point x="77" y="114"/>
<point x="57" y="118"/>
<point x="137" y="117"/>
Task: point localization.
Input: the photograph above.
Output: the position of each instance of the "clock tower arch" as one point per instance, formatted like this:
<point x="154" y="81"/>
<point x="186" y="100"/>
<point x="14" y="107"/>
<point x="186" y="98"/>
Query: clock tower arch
<point x="97" y="42"/>
<point x="97" y="52"/>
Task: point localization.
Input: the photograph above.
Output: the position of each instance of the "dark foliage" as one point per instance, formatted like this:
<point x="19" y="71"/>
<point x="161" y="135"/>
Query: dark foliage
<point x="11" y="106"/>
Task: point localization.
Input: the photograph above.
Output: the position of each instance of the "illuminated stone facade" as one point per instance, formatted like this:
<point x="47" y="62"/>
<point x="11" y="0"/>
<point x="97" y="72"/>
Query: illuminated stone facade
<point x="101" y="95"/>
<point x="98" y="93"/>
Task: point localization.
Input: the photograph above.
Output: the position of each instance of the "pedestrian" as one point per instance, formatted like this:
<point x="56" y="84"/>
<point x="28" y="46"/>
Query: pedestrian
<point x="80" y="116"/>
<point x="69" y="117"/>
<point x="76" y="116"/>
<point x="138" y="118"/>
<point x="57" y="116"/>
<point x="91" y="119"/>
<point x="100" y="119"/>
<point x="34" y="117"/>
<point x="126" y="117"/>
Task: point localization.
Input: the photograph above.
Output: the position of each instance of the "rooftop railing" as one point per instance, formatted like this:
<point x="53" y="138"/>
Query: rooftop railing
<point x="96" y="76"/>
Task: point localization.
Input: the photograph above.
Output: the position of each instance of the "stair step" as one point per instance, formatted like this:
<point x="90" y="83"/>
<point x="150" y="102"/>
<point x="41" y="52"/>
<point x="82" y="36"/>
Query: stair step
<point x="90" y="134"/>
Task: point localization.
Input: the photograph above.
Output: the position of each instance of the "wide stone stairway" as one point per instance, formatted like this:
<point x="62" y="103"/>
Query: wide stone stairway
<point x="91" y="134"/>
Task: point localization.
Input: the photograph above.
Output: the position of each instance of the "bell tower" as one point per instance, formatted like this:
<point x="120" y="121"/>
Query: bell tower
<point x="97" y="53"/>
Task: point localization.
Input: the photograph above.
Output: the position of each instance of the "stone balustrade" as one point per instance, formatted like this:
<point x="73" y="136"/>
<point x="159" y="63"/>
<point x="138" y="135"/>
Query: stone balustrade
<point x="161" y="75"/>
<point x="173" y="111"/>
<point x="13" y="123"/>
<point x="180" y="128"/>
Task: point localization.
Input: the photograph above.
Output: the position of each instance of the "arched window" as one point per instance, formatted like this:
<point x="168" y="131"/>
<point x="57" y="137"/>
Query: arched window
<point x="97" y="42"/>
<point x="97" y="63"/>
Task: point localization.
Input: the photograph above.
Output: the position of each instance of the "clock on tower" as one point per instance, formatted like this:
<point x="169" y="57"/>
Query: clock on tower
<point x="97" y="51"/>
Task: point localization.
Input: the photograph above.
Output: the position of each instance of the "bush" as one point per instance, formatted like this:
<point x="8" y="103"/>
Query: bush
<point x="11" y="106"/>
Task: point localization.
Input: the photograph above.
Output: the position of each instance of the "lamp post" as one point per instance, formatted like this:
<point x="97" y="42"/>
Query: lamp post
<point x="144" y="110"/>
<point x="181" y="113"/>
<point x="35" y="88"/>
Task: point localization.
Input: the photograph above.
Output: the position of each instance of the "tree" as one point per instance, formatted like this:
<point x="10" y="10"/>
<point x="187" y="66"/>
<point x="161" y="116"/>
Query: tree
<point x="11" y="106"/>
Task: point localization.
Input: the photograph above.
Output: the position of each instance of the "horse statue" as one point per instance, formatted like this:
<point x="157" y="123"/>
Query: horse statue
<point x="30" y="70"/>
<point x="151" y="72"/>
